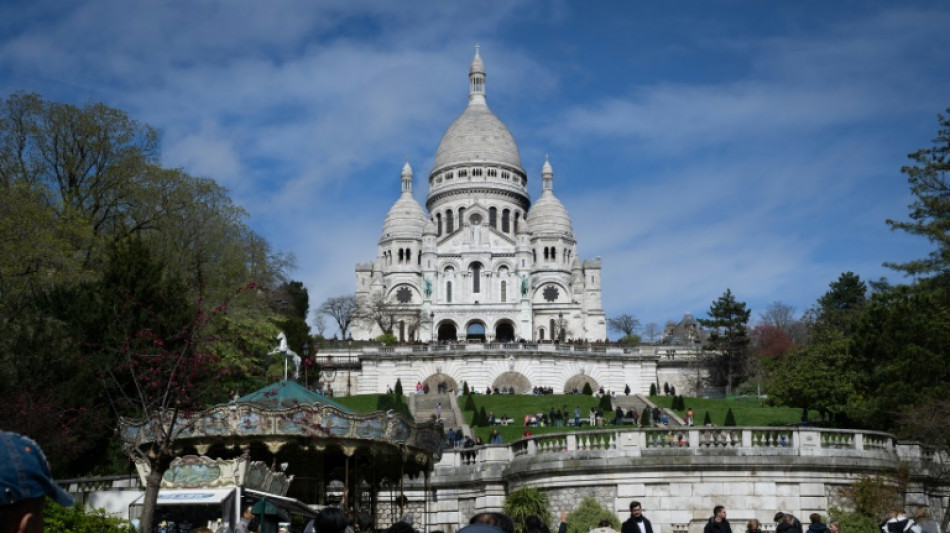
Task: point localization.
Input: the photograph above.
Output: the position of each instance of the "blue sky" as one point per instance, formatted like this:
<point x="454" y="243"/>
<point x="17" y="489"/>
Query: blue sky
<point x="698" y="146"/>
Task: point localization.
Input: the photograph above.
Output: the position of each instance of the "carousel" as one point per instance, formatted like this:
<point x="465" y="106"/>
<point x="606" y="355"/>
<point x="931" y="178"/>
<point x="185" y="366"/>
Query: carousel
<point x="287" y="440"/>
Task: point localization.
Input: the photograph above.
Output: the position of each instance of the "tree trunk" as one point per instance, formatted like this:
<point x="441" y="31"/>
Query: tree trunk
<point x="152" y="483"/>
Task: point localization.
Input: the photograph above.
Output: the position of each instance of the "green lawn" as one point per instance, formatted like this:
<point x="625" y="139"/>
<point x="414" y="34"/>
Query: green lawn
<point x="361" y="403"/>
<point x="747" y="411"/>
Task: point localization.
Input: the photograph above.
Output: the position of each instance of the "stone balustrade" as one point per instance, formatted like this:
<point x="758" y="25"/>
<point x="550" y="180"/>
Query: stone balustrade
<point x="745" y="441"/>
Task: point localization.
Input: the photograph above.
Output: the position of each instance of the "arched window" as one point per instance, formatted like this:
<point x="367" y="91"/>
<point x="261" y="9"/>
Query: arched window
<point x="400" y="255"/>
<point x="448" y="292"/>
<point x="461" y="217"/>
<point x="554" y="332"/>
<point x="476" y="277"/>
<point x="545" y="252"/>
<point x="493" y="217"/>
<point x="408" y="255"/>
<point x="505" y="215"/>
<point x="534" y="255"/>
<point x="553" y="253"/>
<point x="517" y="216"/>
<point x="540" y="334"/>
<point x="438" y="219"/>
<point x="504" y="291"/>
<point x="449" y="222"/>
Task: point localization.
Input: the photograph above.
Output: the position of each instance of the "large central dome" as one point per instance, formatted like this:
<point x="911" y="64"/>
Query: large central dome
<point x="477" y="135"/>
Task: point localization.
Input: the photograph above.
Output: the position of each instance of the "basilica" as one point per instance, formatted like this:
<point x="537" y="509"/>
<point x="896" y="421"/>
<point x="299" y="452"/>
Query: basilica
<point x="480" y="262"/>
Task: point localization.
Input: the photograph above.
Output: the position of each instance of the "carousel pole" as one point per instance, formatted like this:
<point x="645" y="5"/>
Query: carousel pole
<point x="425" y="503"/>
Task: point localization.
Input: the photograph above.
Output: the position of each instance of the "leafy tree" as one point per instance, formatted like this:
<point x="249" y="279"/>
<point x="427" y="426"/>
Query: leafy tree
<point x="626" y="324"/>
<point x="588" y="515"/>
<point x="525" y="502"/>
<point x="728" y="340"/>
<point x="292" y="299"/>
<point x="828" y="361"/>
<point x="930" y="212"/>
<point x="630" y="341"/>
<point x="77" y="519"/>
<point x="343" y="310"/>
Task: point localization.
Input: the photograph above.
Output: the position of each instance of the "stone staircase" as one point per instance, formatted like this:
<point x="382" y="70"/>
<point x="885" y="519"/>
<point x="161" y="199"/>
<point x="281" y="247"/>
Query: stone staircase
<point x="638" y="402"/>
<point x="424" y="407"/>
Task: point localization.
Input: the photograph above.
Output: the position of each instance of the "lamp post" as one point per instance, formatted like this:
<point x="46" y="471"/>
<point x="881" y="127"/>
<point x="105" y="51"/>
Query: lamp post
<point x="349" y="361"/>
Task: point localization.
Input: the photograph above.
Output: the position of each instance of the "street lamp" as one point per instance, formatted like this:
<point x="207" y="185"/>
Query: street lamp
<point x="560" y="325"/>
<point x="349" y="361"/>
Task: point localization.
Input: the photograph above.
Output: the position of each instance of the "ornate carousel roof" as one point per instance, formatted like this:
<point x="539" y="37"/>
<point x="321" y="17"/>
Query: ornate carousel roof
<point x="286" y="422"/>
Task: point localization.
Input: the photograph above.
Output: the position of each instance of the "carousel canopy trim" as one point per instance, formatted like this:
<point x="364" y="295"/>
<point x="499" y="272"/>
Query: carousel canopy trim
<point x="287" y="394"/>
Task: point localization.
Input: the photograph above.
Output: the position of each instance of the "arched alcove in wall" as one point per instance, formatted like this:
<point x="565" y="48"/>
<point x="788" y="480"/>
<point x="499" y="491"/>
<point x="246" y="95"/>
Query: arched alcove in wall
<point x="434" y="380"/>
<point x="577" y="382"/>
<point x="509" y="379"/>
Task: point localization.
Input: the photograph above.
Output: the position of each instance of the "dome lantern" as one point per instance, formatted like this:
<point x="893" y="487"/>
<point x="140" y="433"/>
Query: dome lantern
<point x="476" y="79"/>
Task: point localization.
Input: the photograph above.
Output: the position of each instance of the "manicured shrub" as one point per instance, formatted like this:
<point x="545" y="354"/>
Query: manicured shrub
<point x="730" y="419"/>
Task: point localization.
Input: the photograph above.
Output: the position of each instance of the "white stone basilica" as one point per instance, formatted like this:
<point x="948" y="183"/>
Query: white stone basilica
<point x="483" y="263"/>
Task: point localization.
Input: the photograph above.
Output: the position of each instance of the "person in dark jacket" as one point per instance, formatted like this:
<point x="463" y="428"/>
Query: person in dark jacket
<point x="637" y="523"/>
<point x="816" y="525"/>
<point x="794" y="526"/>
<point x="717" y="522"/>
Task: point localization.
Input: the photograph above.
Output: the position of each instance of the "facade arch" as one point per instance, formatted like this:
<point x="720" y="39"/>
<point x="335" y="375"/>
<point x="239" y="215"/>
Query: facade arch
<point x="511" y="380"/>
<point x="447" y="331"/>
<point x="434" y="380"/>
<point x="505" y="331"/>
<point x="577" y="381"/>
<point x="475" y="330"/>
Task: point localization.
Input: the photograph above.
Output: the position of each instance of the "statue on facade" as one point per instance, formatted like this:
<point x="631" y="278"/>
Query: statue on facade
<point x="284" y="351"/>
<point x="524" y="285"/>
<point x="427" y="287"/>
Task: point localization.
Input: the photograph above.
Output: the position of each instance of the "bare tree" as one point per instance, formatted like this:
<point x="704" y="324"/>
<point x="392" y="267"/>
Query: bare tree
<point x="929" y="423"/>
<point x="344" y="310"/>
<point x="625" y="323"/>
<point x="651" y="331"/>
<point x="782" y="316"/>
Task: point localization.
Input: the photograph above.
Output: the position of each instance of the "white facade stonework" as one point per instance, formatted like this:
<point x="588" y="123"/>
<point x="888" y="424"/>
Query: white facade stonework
<point x="481" y="262"/>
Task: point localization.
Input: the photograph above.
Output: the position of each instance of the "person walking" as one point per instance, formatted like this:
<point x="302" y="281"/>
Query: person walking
<point x="637" y="523"/>
<point x="816" y="525"/>
<point x="717" y="522"/>
<point x="926" y="523"/>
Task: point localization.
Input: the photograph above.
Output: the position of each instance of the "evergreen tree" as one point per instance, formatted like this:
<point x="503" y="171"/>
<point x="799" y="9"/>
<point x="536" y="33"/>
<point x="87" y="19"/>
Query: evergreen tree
<point x="929" y="179"/>
<point x="728" y="342"/>
<point x="707" y="420"/>
<point x="469" y="402"/>
<point x="626" y="390"/>
<point x="730" y="419"/>
<point x="397" y="390"/>
<point x="646" y="417"/>
<point x="587" y="389"/>
<point x="465" y="389"/>
<point x="652" y="389"/>
<point x="482" y="417"/>
<point x="605" y="404"/>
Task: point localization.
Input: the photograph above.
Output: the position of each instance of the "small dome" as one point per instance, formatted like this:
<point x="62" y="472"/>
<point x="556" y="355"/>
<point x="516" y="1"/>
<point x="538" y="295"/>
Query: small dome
<point x="548" y="215"/>
<point x="406" y="218"/>
<point x="430" y="228"/>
